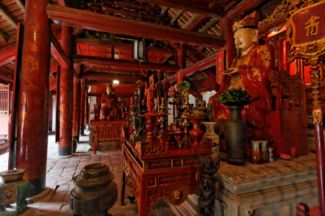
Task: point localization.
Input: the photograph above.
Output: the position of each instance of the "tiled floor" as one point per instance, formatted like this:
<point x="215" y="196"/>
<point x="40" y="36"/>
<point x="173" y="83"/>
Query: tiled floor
<point x="60" y="171"/>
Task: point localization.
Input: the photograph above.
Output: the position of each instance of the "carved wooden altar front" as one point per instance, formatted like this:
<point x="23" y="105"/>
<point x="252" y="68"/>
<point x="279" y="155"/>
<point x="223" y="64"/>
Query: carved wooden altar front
<point x="161" y="170"/>
<point x="105" y="131"/>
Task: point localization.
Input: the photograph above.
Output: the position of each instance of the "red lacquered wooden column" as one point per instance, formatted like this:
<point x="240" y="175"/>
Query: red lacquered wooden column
<point x="66" y="83"/>
<point x="86" y="109"/>
<point x="76" y="106"/>
<point x="82" y="105"/>
<point x="76" y="111"/>
<point x="33" y="95"/>
<point x="319" y="137"/>
<point x="226" y="25"/>
<point x="180" y="62"/>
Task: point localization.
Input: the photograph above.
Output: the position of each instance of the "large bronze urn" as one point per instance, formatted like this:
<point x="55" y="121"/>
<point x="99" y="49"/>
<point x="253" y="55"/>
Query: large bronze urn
<point x="95" y="191"/>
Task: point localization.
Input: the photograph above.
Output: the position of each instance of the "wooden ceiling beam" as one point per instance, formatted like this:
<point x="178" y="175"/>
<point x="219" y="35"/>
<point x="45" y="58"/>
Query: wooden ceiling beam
<point x="7" y="17"/>
<point x="130" y="13"/>
<point x="110" y="77"/>
<point x="58" y="53"/>
<point x="7" y="54"/>
<point x="242" y="7"/>
<point x="188" y="6"/>
<point x="106" y="23"/>
<point x="198" y="66"/>
<point x="152" y="53"/>
<point x="5" y="79"/>
<point x="122" y="65"/>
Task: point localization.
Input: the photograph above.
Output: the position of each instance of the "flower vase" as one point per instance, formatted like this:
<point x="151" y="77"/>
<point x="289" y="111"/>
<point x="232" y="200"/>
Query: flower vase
<point x="236" y="136"/>
<point x="196" y="133"/>
<point x="210" y="134"/>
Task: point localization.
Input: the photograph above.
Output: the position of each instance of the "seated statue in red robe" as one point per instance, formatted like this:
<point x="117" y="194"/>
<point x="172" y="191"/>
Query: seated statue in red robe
<point x="250" y="71"/>
<point x="108" y="107"/>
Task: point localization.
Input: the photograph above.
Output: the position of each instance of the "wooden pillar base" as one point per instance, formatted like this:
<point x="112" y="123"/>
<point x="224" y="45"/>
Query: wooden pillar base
<point x="38" y="185"/>
<point x="75" y="140"/>
<point x="65" y="151"/>
<point x="82" y="129"/>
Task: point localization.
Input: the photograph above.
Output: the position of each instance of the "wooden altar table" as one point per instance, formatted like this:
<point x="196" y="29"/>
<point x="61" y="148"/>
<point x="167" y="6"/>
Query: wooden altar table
<point x="105" y="131"/>
<point x="160" y="173"/>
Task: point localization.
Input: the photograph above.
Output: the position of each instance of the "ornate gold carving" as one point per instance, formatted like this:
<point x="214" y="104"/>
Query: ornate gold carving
<point x="317" y="116"/>
<point x="281" y="13"/>
<point x="205" y="145"/>
<point x="312" y="50"/>
<point x="175" y="195"/>
<point x="264" y="52"/>
<point x="149" y="148"/>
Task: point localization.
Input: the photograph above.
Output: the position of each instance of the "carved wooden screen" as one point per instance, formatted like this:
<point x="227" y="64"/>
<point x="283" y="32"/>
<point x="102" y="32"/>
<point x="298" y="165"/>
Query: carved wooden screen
<point x="4" y="99"/>
<point x="4" y="110"/>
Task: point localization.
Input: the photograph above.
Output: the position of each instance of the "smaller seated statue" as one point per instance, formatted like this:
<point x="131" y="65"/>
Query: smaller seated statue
<point x="108" y="108"/>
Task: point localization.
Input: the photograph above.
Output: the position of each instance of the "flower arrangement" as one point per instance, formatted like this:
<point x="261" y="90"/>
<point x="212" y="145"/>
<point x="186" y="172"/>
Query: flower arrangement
<point x="234" y="97"/>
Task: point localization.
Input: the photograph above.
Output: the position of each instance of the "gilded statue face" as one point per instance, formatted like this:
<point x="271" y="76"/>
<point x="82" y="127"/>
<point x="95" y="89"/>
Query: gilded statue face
<point x="244" y="38"/>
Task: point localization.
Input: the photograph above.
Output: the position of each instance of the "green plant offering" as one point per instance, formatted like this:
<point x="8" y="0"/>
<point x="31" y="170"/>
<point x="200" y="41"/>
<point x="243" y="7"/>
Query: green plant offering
<point x="234" y="97"/>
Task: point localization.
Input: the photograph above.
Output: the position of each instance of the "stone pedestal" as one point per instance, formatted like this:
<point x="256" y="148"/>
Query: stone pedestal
<point x="267" y="189"/>
<point x="261" y="189"/>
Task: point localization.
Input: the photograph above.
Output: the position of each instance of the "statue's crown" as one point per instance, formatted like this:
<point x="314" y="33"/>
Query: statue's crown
<point x="249" y="21"/>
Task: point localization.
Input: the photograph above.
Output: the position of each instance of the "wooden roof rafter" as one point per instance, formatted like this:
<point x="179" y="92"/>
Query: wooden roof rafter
<point x="7" y="17"/>
<point x="20" y="5"/>
<point x="186" y="5"/>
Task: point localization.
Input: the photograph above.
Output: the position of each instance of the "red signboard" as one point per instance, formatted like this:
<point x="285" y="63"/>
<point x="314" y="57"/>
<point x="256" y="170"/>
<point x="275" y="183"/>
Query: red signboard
<point x="308" y="24"/>
<point x="307" y="32"/>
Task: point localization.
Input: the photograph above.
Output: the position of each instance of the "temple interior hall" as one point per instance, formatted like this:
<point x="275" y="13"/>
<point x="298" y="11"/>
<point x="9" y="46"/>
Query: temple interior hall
<point x="162" y="107"/>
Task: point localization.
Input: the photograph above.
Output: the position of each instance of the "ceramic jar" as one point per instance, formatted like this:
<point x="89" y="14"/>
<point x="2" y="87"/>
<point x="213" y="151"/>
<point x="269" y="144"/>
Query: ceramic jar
<point x="210" y="134"/>
<point x="259" y="152"/>
<point x="256" y="156"/>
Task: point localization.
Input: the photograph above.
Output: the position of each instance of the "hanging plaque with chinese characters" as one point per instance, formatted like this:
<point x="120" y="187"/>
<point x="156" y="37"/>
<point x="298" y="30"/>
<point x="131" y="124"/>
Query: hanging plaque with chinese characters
<point x="308" y="31"/>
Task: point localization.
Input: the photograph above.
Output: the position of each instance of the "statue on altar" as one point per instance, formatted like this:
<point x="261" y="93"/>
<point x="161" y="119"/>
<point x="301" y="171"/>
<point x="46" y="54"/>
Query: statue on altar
<point x="108" y="107"/>
<point x="250" y="71"/>
<point x="138" y="108"/>
<point x="149" y="94"/>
